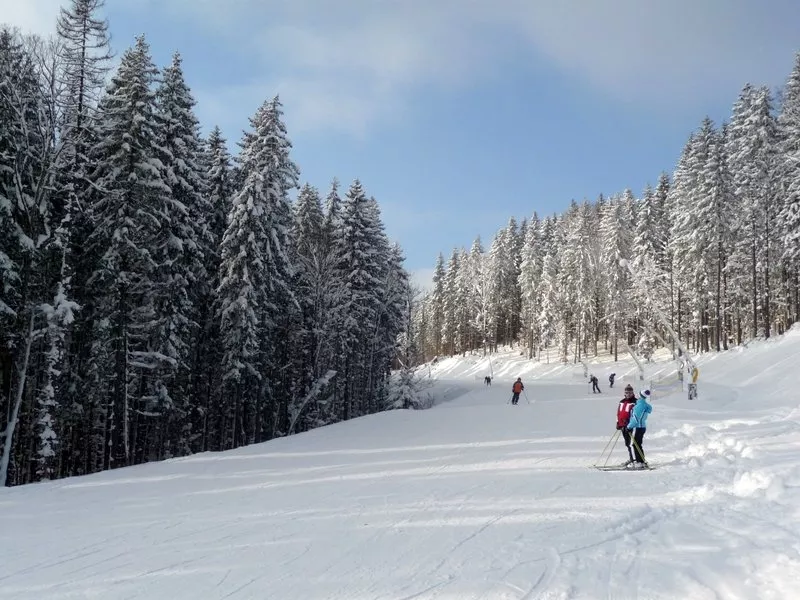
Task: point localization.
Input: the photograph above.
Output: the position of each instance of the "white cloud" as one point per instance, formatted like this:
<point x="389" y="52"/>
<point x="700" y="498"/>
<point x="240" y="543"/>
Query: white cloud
<point x="346" y="65"/>
<point x="34" y="16"/>
<point x="350" y="64"/>
<point x="661" y="52"/>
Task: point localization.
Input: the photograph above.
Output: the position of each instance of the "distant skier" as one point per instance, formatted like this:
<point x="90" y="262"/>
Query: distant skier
<point x="611" y="379"/>
<point x="638" y="425"/>
<point x="595" y="387"/>
<point x="487" y="380"/>
<point x="623" y="418"/>
<point x="516" y="390"/>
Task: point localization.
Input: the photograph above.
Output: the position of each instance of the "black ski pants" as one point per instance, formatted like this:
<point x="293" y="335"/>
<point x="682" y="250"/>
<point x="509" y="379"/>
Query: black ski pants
<point x="638" y="447"/>
<point x="515" y="398"/>
<point x="626" y="435"/>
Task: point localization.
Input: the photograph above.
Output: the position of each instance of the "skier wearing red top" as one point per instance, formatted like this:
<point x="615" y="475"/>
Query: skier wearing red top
<point x="516" y="389"/>
<point x="623" y="416"/>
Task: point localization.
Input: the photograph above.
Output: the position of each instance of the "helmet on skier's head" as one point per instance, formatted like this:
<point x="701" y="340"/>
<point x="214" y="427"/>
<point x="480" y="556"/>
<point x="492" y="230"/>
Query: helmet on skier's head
<point x="519" y="378"/>
<point x="645" y="393"/>
<point x="629" y="390"/>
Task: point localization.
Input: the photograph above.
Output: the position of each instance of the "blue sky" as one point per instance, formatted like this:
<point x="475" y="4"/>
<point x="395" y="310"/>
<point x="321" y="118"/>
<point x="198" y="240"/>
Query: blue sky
<point x="457" y="114"/>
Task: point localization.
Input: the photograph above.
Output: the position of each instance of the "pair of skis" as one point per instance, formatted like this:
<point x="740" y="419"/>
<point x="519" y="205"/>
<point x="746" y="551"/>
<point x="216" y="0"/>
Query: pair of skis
<point x="624" y="467"/>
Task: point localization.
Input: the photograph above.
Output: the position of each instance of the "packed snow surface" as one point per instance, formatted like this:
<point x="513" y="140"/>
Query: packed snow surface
<point x="474" y="498"/>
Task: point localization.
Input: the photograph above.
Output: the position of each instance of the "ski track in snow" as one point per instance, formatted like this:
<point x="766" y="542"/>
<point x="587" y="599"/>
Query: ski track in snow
<point x="473" y="499"/>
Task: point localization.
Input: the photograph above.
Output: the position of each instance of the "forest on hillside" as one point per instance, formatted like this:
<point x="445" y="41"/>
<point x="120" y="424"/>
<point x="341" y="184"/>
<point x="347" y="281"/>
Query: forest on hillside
<point x="159" y="297"/>
<point x="715" y="248"/>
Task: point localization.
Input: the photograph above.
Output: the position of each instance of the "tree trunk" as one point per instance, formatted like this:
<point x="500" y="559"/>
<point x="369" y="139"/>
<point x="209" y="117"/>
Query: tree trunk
<point x="20" y="392"/>
<point x="718" y="316"/>
<point x="755" y="282"/>
<point x="678" y="312"/>
<point x="767" y="289"/>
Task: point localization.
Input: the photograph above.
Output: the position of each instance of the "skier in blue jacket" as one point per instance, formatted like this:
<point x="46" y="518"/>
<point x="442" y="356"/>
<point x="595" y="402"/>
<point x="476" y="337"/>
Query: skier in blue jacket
<point x="638" y="425"/>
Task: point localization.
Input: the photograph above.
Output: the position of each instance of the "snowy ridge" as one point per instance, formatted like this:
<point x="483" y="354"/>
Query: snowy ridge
<point x="474" y="498"/>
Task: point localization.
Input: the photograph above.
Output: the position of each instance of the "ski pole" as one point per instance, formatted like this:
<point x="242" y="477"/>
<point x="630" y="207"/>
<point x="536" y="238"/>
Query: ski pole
<point x="610" y="452"/>
<point x="526" y="396"/>
<point x="614" y="436"/>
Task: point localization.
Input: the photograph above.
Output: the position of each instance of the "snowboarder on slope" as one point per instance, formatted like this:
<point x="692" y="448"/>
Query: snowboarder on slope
<point x="595" y="387"/>
<point x="611" y="379"/>
<point x="638" y="425"/>
<point x="624" y="416"/>
<point x="516" y="389"/>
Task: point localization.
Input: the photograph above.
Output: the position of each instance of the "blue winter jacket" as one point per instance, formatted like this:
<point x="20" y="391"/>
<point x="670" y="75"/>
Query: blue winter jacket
<point x="641" y="409"/>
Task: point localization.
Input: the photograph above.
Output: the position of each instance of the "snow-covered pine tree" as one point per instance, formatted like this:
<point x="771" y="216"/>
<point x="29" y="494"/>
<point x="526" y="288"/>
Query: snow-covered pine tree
<point x="282" y="306"/>
<point x="386" y="270"/>
<point x="333" y="302"/>
<point x="752" y="151"/>
<point x="550" y="307"/>
<point x="495" y="261"/>
<point x="181" y="282"/>
<point x="579" y="257"/>
<point x="615" y="231"/>
<point x="693" y="231"/>
<point x="310" y="288"/>
<point x="788" y="176"/>
<point x="362" y="275"/>
<point x="656" y="207"/>
<point x="450" y="305"/>
<point x="510" y="273"/>
<point x="86" y="58"/>
<point x="207" y="350"/>
<point x="570" y="269"/>
<point x="503" y="273"/>
<point x="255" y="276"/>
<point x="660" y="216"/>
<point x="393" y="321"/>
<point x="530" y="278"/>
<point x="333" y="215"/>
<point x="477" y="304"/>
<point x="646" y="242"/>
<point x="591" y="278"/>
<point x="436" y="309"/>
<point x="683" y="183"/>
<point x="465" y="335"/>
<point x="718" y="195"/>
<point x="128" y="214"/>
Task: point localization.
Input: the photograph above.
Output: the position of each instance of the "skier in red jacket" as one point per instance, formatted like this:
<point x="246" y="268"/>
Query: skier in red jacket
<point x="516" y="389"/>
<point x="623" y="416"/>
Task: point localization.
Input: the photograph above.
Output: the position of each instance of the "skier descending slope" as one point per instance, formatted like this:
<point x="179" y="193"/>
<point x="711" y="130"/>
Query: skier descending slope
<point x="623" y="418"/>
<point x="638" y="425"/>
<point x="516" y="390"/>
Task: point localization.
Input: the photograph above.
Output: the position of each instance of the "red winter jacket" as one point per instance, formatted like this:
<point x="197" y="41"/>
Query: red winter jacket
<point x="624" y="412"/>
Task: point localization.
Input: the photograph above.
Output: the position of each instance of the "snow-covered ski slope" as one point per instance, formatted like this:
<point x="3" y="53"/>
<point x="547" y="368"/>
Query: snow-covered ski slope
<point x="474" y="498"/>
